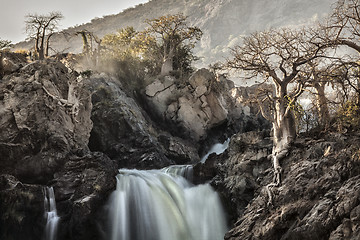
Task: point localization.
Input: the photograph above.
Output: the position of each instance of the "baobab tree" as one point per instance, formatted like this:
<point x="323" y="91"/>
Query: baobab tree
<point x="278" y="57"/>
<point x="40" y="28"/>
<point x="172" y="32"/>
<point x="343" y="26"/>
<point x="341" y="31"/>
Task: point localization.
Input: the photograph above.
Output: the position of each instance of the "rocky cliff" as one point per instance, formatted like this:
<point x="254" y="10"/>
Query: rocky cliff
<point x="73" y="131"/>
<point x="318" y="197"/>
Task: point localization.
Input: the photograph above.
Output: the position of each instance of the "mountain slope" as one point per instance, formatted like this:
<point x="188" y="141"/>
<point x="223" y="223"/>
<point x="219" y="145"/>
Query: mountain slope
<point x="222" y="21"/>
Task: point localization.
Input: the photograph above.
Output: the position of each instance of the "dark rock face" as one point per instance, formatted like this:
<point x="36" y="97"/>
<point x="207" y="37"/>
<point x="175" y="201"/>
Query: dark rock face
<point x="44" y="132"/>
<point x="21" y="208"/>
<point x="81" y="189"/>
<point x="125" y="133"/>
<point x="318" y="198"/>
<point x="45" y="115"/>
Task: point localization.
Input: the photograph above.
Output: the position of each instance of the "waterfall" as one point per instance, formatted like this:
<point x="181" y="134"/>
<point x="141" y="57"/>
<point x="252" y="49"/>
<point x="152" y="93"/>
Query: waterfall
<point x="185" y="171"/>
<point x="217" y="148"/>
<point x="163" y="205"/>
<point x="52" y="219"/>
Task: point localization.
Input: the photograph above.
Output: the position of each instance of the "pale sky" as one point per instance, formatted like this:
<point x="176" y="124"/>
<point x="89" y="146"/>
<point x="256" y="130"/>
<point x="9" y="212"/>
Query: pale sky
<point x="12" y="14"/>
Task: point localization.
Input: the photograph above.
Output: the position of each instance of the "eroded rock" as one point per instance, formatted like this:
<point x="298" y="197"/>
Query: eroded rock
<point x="125" y="133"/>
<point x="45" y="115"/>
<point x="318" y="198"/>
<point x="196" y="105"/>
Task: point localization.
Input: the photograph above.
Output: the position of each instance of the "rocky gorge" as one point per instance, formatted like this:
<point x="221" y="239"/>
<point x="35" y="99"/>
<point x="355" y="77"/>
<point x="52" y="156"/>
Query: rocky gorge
<point x="73" y="131"/>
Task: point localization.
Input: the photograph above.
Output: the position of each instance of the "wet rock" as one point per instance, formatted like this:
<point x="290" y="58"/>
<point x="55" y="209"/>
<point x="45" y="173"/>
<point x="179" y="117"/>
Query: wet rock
<point x="81" y="189"/>
<point x="22" y="209"/>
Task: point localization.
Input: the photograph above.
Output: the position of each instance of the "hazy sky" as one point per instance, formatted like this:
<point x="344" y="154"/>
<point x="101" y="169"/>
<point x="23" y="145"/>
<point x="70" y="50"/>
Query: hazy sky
<point x="13" y="13"/>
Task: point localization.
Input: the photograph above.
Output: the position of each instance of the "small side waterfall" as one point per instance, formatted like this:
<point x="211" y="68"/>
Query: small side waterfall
<point x="217" y="148"/>
<point x="52" y="219"/>
<point x="163" y="205"/>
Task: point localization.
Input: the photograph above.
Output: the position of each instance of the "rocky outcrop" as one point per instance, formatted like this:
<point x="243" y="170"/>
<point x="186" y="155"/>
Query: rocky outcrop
<point x="81" y="189"/>
<point x="53" y="125"/>
<point x="44" y="133"/>
<point x="318" y="198"/>
<point x="195" y="105"/>
<point x="126" y="133"/>
<point x="45" y="115"/>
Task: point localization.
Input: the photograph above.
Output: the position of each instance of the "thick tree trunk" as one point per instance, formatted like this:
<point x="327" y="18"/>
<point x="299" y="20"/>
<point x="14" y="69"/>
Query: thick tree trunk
<point x="41" y="53"/>
<point x="48" y="44"/>
<point x="284" y="130"/>
<point x="322" y="104"/>
<point x="167" y="65"/>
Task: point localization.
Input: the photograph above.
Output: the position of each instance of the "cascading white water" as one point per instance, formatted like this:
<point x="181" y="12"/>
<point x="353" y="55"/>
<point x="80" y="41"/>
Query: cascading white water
<point x="185" y="171"/>
<point x="158" y="205"/>
<point x="217" y="148"/>
<point x="52" y="219"/>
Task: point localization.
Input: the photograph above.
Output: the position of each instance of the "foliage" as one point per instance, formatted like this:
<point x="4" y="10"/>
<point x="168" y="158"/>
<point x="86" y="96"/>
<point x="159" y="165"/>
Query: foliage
<point x="348" y="116"/>
<point x="174" y="41"/>
<point x="135" y="56"/>
<point x="21" y="51"/>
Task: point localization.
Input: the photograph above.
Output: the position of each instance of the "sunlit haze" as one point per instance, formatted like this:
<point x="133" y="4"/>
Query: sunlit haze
<point x="13" y="13"/>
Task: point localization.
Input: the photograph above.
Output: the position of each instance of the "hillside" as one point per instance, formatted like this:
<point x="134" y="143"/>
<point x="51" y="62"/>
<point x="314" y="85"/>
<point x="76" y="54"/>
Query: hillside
<point x="223" y="22"/>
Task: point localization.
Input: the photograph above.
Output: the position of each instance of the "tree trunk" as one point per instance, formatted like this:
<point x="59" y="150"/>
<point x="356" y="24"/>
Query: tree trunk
<point x="284" y="129"/>
<point x="167" y="65"/>
<point x="1" y="65"/>
<point x="37" y="49"/>
<point x="41" y="53"/>
<point x="322" y="104"/>
<point x="48" y="44"/>
<point x="86" y="47"/>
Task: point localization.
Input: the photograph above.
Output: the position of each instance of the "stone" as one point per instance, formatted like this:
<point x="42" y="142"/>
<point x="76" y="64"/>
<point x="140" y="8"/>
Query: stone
<point x="199" y="104"/>
<point x="318" y="198"/>
<point x="202" y="77"/>
<point x="154" y="88"/>
<point x="39" y="126"/>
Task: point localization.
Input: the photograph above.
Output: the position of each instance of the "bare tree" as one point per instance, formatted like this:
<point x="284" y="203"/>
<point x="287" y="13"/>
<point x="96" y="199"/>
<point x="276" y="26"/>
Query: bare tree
<point x="342" y="29"/>
<point x="344" y="24"/>
<point x="278" y="57"/>
<point x="318" y="78"/>
<point x="40" y="28"/>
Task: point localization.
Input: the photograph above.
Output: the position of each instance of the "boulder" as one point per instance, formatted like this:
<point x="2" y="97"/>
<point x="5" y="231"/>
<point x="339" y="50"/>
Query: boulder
<point x="195" y="105"/>
<point x="124" y="131"/>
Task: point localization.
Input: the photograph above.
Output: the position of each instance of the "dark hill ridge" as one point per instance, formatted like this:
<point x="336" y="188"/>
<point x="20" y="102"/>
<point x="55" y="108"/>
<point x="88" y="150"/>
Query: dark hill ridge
<point x="223" y="22"/>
